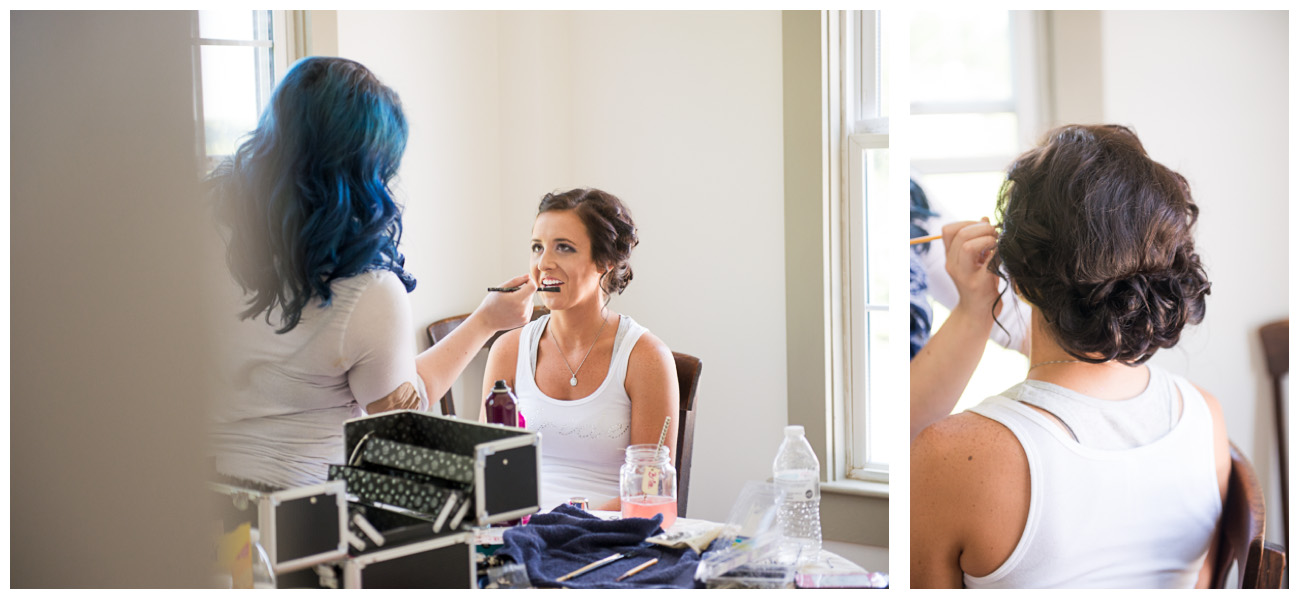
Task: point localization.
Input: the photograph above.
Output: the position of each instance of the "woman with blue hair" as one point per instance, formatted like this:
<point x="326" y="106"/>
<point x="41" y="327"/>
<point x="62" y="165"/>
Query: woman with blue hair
<point x="324" y="333"/>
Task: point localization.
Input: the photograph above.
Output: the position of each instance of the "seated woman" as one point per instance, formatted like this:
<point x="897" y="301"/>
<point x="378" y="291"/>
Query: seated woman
<point x="590" y="380"/>
<point x="1098" y="470"/>
<point x="324" y="331"/>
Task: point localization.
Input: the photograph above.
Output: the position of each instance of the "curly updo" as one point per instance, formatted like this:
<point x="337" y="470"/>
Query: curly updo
<point x="610" y="227"/>
<point x="1098" y="237"/>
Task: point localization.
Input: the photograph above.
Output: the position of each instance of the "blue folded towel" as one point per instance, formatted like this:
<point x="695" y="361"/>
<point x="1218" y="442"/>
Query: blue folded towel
<point x="566" y="539"/>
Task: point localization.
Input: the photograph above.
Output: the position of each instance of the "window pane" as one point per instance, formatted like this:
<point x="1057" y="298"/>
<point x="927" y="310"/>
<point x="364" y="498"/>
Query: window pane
<point x="999" y="369"/>
<point x="230" y="95"/>
<point x="235" y="24"/>
<point x="875" y="168"/>
<point x="961" y="56"/>
<point x="883" y="390"/>
<point x="963" y="135"/>
<point x="963" y="196"/>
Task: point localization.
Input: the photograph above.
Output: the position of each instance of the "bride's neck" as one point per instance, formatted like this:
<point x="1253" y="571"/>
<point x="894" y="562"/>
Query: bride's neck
<point x="579" y="323"/>
<point x="1112" y="380"/>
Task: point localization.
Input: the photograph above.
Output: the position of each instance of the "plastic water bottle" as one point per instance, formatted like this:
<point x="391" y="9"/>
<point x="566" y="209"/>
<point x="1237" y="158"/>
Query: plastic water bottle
<point x="797" y="472"/>
<point x="263" y="572"/>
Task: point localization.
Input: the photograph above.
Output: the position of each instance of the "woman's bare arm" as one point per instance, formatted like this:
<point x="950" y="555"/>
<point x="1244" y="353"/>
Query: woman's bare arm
<point x="941" y="370"/>
<point x="1223" y="468"/>
<point x="970" y="499"/>
<point x="500" y="365"/>
<point x="440" y="365"/>
<point x="652" y="385"/>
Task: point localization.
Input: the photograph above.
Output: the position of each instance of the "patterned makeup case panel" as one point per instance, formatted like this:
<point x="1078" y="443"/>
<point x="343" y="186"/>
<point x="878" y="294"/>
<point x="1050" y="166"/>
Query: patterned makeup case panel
<point x="434" y="465"/>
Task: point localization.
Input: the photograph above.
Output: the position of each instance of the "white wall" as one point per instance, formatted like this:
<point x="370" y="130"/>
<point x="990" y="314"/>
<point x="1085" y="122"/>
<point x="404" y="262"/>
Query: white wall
<point x="679" y="114"/>
<point x="444" y="68"/>
<point x="1207" y="93"/>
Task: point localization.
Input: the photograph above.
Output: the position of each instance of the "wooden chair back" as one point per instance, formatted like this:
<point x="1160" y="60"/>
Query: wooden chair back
<point x="1260" y="565"/>
<point x="439" y="330"/>
<point x="688" y="379"/>
<point x="1276" y="338"/>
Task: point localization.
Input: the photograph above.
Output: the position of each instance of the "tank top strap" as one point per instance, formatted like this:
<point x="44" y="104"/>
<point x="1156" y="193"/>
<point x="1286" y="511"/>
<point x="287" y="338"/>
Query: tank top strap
<point x="630" y="331"/>
<point x="526" y="354"/>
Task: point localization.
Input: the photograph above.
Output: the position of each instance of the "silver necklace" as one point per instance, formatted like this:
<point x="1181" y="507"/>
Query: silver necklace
<point x="1053" y="362"/>
<point x="573" y="380"/>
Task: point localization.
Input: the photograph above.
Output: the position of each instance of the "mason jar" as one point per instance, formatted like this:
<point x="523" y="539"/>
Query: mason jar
<point x="648" y="484"/>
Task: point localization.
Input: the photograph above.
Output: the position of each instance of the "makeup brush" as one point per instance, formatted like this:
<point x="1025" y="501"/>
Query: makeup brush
<point x="597" y="564"/>
<point x="637" y="569"/>
<point x="553" y="288"/>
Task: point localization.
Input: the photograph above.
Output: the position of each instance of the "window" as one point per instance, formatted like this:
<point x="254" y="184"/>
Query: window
<point x="239" y="57"/>
<point x="975" y="106"/>
<point x="869" y="394"/>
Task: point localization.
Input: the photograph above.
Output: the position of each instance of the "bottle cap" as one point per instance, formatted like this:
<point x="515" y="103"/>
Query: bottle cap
<point x="794" y="430"/>
<point x="500" y="386"/>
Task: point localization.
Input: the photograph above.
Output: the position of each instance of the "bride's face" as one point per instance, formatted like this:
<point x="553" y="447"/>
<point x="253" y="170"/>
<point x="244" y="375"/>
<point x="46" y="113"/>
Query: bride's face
<point x="561" y="257"/>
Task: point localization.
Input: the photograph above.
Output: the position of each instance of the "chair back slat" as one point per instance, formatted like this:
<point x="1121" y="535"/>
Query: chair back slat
<point x="1241" y="535"/>
<point x="688" y="379"/>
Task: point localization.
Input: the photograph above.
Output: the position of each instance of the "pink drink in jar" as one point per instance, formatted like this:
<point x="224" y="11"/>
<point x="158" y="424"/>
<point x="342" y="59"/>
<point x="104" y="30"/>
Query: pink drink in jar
<point x="645" y="507"/>
<point x="648" y="484"/>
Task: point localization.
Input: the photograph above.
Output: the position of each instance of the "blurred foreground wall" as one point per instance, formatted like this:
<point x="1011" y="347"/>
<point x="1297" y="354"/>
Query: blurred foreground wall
<point x="107" y="348"/>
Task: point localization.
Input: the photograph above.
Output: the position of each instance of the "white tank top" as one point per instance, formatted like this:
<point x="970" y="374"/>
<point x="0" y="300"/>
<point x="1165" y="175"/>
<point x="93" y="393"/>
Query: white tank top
<point x="1141" y="517"/>
<point x="583" y="441"/>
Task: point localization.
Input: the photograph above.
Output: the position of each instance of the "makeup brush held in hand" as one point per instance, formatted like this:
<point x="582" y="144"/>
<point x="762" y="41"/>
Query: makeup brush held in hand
<point x="516" y="288"/>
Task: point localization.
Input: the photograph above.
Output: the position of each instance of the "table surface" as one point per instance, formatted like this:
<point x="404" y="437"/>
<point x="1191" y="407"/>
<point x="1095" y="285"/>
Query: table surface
<point x="830" y="568"/>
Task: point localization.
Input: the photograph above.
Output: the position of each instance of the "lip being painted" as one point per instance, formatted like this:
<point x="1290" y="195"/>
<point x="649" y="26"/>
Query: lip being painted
<point x="549" y="284"/>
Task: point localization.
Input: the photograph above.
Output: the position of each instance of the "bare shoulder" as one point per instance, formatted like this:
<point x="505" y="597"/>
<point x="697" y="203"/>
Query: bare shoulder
<point x="1212" y="402"/>
<point x="651" y="352"/>
<point x="964" y="445"/>
<point x="651" y="369"/>
<point x="1222" y="453"/>
<point x="970" y="494"/>
<point x="508" y="342"/>
<point x="501" y="359"/>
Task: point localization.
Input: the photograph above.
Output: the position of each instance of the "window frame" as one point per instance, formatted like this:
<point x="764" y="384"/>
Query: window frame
<point x="290" y="35"/>
<point x="1028" y="101"/>
<point x="860" y="122"/>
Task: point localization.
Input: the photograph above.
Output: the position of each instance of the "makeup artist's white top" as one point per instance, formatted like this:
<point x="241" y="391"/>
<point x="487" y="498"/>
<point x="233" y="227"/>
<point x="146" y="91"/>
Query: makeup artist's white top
<point x="280" y="422"/>
<point x="1140" y="517"/>
<point x="583" y="441"/>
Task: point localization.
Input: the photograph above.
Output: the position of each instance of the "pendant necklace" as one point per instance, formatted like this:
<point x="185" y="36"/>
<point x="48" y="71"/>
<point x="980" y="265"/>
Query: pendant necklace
<point x="573" y="381"/>
<point x="1053" y="362"/>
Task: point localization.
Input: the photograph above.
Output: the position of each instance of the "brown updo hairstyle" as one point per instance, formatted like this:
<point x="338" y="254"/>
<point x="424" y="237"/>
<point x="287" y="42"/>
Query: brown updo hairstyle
<point x="1098" y="238"/>
<point x="610" y="227"/>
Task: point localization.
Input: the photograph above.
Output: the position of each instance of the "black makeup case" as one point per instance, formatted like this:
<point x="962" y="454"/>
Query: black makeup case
<point x="450" y="472"/>
<point x="298" y="527"/>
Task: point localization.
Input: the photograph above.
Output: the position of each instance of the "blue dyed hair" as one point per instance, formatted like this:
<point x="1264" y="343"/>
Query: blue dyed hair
<point x="306" y="195"/>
